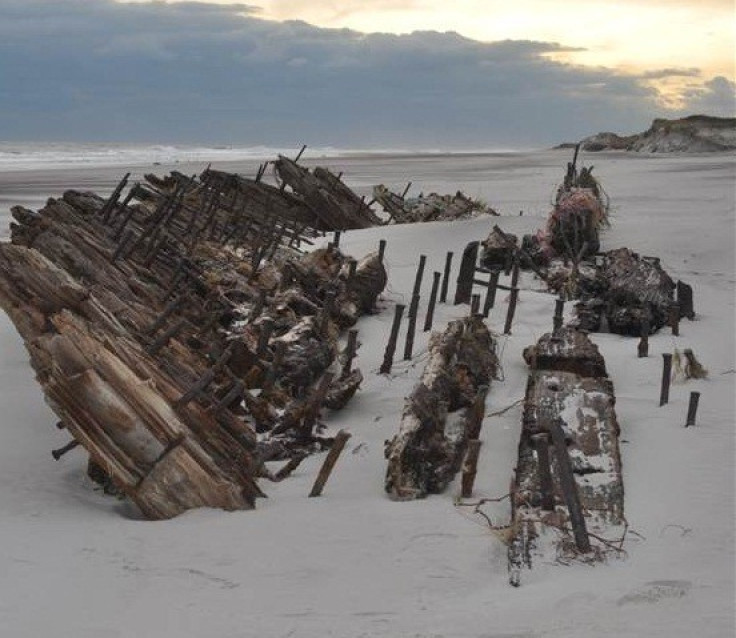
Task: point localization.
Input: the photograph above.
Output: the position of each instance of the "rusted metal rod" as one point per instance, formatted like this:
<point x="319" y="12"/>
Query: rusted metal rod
<point x="692" y="408"/>
<point x="388" y="356"/>
<point x="330" y="460"/>
<point x="664" y="394"/>
<point x="446" y="278"/>
<point x="411" y="327"/>
<point x="511" y="311"/>
<point x="490" y="299"/>
<point x="59" y="452"/>
<point x="432" y="302"/>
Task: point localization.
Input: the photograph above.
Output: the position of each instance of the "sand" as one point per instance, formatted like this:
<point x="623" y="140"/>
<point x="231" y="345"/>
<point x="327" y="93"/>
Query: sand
<point x="352" y="563"/>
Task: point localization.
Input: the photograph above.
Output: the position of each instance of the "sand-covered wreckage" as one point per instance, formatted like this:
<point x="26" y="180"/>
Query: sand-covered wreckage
<point x="181" y="335"/>
<point x="617" y="291"/>
<point x="567" y="493"/>
<point x="185" y="338"/>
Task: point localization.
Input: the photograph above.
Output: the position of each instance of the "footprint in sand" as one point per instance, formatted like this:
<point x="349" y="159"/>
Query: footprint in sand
<point x="657" y="590"/>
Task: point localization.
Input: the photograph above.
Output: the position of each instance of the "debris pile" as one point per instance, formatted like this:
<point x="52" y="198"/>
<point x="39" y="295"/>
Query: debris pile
<point x="443" y="412"/>
<point x="567" y="494"/>
<point x="618" y="291"/>
<point x="580" y="212"/>
<point x="429" y="208"/>
<point x="180" y="335"/>
<point x="626" y="294"/>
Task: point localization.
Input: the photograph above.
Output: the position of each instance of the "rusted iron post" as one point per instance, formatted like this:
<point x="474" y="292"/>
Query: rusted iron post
<point x="204" y="381"/>
<point x="515" y="272"/>
<point x="643" y="348"/>
<point x="337" y="446"/>
<point x="315" y="402"/>
<point x="300" y="153"/>
<point x="511" y="311"/>
<point x="476" y="412"/>
<point x="350" y="349"/>
<point x="123" y="245"/>
<point x="692" y="408"/>
<point x="381" y="249"/>
<point x="165" y="337"/>
<point x="664" y="395"/>
<point x="388" y="357"/>
<point x="432" y="301"/>
<point x="674" y="320"/>
<point x="336" y="240"/>
<point x="490" y="299"/>
<point x="446" y="278"/>
<point x="540" y="441"/>
<point x="470" y="468"/>
<point x="685" y="300"/>
<point x="411" y="327"/>
<point x="58" y="453"/>
<point x="418" y="282"/>
<point x="464" y="287"/>
<point x="236" y="391"/>
<point x="559" y="309"/>
<point x="569" y="487"/>
<point x="104" y="212"/>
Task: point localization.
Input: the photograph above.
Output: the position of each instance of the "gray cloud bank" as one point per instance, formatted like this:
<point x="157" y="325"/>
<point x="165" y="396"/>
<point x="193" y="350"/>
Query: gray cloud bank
<point x="95" y="70"/>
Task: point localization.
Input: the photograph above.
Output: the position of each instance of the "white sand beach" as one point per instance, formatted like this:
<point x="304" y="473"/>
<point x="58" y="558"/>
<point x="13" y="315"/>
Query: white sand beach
<point x="75" y="563"/>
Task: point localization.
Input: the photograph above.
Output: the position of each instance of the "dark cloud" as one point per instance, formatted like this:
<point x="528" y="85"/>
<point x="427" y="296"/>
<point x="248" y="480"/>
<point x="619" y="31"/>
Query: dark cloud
<point x="199" y="72"/>
<point x="715" y="97"/>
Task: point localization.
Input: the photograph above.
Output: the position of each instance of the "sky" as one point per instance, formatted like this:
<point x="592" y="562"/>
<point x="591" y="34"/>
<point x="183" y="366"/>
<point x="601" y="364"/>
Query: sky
<point x="425" y="74"/>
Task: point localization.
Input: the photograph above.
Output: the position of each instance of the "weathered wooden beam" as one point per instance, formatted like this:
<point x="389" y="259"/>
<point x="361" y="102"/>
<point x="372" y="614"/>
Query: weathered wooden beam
<point x="330" y="460"/>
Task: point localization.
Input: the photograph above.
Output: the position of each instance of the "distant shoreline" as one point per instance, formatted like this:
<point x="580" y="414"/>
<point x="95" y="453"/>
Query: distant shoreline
<point x="30" y="156"/>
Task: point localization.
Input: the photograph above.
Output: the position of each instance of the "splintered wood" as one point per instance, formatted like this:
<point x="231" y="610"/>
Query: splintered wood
<point x="441" y="414"/>
<point x="168" y="328"/>
<point x="567" y="493"/>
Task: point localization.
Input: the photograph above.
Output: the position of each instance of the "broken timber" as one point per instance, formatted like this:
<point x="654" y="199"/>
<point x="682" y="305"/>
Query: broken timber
<point x="576" y="487"/>
<point x="428" y="450"/>
<point x="145" y="321"/>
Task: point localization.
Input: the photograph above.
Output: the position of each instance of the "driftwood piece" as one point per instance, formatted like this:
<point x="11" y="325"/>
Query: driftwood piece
<point x="427" y="451"/>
